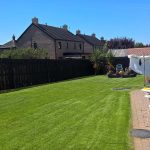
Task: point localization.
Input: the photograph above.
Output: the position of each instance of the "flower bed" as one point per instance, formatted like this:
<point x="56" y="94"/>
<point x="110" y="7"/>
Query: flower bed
<point x="121" y="76"/>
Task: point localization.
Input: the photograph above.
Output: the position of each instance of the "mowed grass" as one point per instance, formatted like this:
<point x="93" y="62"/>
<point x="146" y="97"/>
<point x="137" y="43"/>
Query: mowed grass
<point x="82" y="114"/>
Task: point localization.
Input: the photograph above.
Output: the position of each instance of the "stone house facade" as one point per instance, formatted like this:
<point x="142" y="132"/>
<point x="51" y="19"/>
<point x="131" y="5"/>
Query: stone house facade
<point x="59" y="42"/>
<point x="9" y="45"/>
<point x="91" y="43"/>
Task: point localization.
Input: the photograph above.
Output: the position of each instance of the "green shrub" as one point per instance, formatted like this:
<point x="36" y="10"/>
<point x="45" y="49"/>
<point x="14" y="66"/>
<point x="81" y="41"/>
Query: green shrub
<point x="28" y="53"/>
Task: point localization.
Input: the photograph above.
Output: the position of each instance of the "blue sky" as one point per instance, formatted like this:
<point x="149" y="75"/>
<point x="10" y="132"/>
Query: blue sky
<point x="107" y="18"/>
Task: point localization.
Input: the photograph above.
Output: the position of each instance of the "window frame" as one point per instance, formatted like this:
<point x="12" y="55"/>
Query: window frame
<point x="59" y="45"/>
<point x="80" y="46"/>
<point x="35" y="46"/>
<point x="67" y="45"/>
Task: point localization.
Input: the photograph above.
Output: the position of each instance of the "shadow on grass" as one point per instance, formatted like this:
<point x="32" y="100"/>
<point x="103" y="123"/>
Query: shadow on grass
<point x="42" y="84"/>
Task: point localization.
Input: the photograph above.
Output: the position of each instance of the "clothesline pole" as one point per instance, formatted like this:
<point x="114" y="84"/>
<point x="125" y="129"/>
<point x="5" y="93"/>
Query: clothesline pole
<point x="144" y="70"/>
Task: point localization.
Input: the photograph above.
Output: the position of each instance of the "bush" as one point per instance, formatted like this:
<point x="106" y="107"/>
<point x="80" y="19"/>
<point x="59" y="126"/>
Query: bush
<point x="24" y="54"/>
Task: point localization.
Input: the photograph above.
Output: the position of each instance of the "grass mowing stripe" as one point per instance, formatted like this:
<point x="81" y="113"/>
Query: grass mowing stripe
<point x="78" y="114"/>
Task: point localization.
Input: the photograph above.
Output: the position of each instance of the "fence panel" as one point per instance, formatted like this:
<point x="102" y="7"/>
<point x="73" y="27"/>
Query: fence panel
<point x="15" y="73"/>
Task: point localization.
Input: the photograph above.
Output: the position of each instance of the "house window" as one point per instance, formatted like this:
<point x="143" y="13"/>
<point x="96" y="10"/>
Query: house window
<point x="59" y="45"/>
<point x="60" y="58"/>
<point x="74" y="45"/>
<point x="67" y="45"/>
<point x="35" y="45"/>
<point x="80" y="46"/>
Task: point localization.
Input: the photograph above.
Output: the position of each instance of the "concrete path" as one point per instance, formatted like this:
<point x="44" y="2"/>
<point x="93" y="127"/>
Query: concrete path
<point x="140" y="118"/>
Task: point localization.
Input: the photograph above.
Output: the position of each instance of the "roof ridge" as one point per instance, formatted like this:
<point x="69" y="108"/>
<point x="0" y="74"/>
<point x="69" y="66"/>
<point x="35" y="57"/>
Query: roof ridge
<point x="88" y="35"/>
<point x="50" y="26"/>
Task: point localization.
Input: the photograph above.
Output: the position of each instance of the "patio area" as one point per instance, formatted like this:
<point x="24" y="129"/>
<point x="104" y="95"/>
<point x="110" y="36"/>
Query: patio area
<point x="140" y="120"/>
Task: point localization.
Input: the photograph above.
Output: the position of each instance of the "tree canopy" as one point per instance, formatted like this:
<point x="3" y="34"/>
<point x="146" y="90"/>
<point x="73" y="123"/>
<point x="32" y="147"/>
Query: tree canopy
<point x="121" y="43"/>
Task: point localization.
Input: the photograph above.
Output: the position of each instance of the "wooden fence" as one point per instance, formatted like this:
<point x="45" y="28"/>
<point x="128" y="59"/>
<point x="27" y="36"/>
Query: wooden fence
<point x="15" y="73"/>
<point x="21" y="73"/>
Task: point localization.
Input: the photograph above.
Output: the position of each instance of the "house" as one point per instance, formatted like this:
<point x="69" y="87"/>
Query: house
<point x="90" y="43"/>
<point x="59" y="42"/>
<point x="9" y="45"/>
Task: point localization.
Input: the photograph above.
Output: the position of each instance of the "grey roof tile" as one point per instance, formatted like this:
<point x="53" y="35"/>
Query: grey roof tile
<point x="58" y="33"/>
<point x="90" y="39"/>
<point x="8" y="45"/>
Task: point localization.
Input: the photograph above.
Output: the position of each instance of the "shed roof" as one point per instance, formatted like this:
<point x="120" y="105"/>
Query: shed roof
<point x="139" y="51"/>
<point x="119" y="52"/>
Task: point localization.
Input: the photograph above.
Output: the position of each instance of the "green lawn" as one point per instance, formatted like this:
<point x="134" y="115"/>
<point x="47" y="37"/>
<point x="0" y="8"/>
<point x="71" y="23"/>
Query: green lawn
<point x="82" y="114"/>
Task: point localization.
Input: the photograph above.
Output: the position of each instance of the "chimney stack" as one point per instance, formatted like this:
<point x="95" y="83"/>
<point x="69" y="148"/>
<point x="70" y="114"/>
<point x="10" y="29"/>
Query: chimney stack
<point x="13" y="37"/>
<point x="65" y="27"/>
<point x="93" y="35"/>
<point x="35" y="20"/>
<point x="78" y="32"/>
<point x="14" y="41"/>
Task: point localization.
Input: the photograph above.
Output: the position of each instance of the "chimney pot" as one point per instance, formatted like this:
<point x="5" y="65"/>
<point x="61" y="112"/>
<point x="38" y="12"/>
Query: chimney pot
<point x="35" y="20"/>
<point x="93" y="35"/>
<point x="78" y="32"/>
<point x="65" y="27"/>
<point x="13" y="37"/>
<point x="13" y="41"/>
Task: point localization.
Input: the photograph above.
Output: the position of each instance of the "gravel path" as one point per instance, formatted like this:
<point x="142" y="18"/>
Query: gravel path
<point x="140" y="118"/>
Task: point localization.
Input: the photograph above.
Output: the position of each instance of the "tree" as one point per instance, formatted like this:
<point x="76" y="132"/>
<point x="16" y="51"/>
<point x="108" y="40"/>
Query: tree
<point x="105" y="47"/>
<point x="110" y="58"/>
<point x="96" y="57"/>
<point x="121" y="43"/>
<point x="100" y="55"/>
<point x="139" y="45"/>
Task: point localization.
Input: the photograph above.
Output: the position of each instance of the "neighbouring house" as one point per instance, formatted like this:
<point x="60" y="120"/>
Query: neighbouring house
<point x="9" y="45"/>
<point x="90" y="43"/>
<point x="59" y="42"/>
